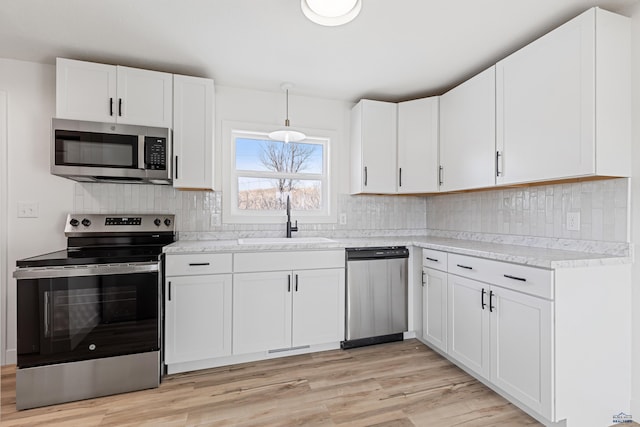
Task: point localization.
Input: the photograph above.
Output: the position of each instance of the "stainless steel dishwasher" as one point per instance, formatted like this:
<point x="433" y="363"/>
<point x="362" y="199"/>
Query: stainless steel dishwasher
<point x="376" y="300"/>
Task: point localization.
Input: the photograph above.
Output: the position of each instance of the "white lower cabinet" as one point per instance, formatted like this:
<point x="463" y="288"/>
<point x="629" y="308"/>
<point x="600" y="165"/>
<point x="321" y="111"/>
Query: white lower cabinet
<point x="503" y="333"/>
<point x="197" y="317"/>
<point x="504" y="336"/>
<point x="261" y="311"/>
<point x="521" y="347"/>
<point x="468" y="324"/>
<point x="287" y="309"/>
<point x="434" y="311"/>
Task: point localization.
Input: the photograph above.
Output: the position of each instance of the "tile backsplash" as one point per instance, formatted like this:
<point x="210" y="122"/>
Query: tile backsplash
<point x="539" y="211"/>
<point x="199" y="213"/>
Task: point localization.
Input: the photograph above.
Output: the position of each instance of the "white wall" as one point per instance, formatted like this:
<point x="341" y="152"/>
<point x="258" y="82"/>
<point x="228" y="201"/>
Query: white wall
<point x="30" y="92"/>
<point x="634" y="12"/>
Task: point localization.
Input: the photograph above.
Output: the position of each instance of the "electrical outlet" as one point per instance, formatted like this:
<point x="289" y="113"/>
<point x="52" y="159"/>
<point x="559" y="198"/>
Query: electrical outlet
<point x="27" y="209"/>
<point x="573" y="221"/>
<point x="343" y="219"/>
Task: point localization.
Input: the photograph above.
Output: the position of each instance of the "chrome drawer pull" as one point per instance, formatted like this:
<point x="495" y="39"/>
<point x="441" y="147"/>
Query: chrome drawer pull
<point x="522" y="279"/>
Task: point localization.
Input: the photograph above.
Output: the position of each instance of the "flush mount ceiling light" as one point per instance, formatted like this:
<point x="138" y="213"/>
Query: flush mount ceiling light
<point x="287" y="134"/>
<point x="331" y="12"/>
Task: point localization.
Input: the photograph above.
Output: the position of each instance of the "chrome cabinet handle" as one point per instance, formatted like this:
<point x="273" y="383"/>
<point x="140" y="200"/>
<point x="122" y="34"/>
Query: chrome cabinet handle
<point x="440" y="173"/>
<point x="365" y="176"/>
<point x="498" y="158"/>
<point x="423" y="280"/>
<point x="400" y="177"/>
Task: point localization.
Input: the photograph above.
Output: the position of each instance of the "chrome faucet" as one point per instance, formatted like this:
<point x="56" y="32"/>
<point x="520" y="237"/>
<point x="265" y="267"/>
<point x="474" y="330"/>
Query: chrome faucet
<point x="290" y="228"/>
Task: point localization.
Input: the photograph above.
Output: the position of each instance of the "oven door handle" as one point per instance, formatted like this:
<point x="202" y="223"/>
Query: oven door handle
<point x="86" y="270"/>
<point x="47" y="304"/>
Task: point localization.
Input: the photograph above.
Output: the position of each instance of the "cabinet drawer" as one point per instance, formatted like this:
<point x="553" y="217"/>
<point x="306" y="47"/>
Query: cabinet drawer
<point x="434" y="259"/>
<point x="197" y="264"/>
<point x="278" y="261"/>
<point x="531" y="280"/>
<point x="522" y="278"/>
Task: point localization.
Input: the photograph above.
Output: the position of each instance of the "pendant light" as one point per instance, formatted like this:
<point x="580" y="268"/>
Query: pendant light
<point x="287" y="134"/>
<point x="331" y="12"/>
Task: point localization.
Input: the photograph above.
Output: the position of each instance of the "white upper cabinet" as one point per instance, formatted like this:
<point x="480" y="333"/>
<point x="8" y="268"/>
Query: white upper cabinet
<point x="193" y="132"/>
<point x="144" y="97"/>
<point x="467" y="134"/>
<point x="563" y="103"/>
<point x="418" y="146"/>
<point x="373" y="147"/>
<point x="85" y="91"/>
<point x="110" y="93"/>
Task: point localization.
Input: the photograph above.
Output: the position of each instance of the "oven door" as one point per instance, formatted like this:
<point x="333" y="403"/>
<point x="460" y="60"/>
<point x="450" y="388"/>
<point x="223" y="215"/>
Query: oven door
<point x="87" y="312"/>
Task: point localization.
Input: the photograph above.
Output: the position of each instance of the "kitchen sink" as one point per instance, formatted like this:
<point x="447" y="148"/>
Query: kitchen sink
<point x="283" y="240"/>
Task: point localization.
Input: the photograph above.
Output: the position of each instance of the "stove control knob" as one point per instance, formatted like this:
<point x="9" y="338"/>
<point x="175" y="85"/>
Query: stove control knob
<point x="86" y="222"/>
<point x="74" y="222"/>
<point x="157" y="222"/>
<point x="167" y="222"/>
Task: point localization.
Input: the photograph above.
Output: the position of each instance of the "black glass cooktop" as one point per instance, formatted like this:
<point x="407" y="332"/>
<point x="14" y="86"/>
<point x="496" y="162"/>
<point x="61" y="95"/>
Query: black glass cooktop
<point x="93" y="256"/>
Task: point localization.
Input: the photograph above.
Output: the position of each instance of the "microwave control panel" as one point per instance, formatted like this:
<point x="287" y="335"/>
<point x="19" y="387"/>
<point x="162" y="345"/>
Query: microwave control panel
<point x="155" y="153"/>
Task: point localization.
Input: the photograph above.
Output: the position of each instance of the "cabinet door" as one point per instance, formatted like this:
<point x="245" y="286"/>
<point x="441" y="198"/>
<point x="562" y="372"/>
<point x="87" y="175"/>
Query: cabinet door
<point x="434" y="308"/>
<point x="521" y="350"/>
<point x="197" y="317"/>
<point x="418" y="146"/>
<point x="144" y="97"/>
<point x="193" y="119"/>
<point x="261" y="311"/>
<point x="467" y="134"/>
<point x="85" y="91"/>
<point x="546" y="96"/>
<point x="468" y="323"/>
<point x="374" y="147"/>
<point x="318" y="306"/>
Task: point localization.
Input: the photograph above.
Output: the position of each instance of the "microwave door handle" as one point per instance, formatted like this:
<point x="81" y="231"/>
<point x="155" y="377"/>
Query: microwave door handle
<point x="141" y="164"/>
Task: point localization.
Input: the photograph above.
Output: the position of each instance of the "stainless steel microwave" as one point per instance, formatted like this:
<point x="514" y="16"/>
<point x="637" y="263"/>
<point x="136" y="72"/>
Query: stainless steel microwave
<point x="109" y="152"/>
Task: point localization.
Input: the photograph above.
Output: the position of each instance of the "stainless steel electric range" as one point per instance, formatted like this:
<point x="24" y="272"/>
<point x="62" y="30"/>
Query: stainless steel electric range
<point x="90" y="316"/>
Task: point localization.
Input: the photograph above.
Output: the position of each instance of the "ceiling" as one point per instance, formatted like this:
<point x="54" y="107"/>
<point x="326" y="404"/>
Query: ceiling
<point x="395" y="50"/>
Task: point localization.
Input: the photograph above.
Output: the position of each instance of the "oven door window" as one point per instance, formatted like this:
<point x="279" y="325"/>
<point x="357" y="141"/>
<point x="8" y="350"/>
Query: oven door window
<point x="90" y="149"/>
<point x="79" y="318"/>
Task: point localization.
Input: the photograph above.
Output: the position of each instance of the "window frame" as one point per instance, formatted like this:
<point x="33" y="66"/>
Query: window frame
<point x="230" y="212"/>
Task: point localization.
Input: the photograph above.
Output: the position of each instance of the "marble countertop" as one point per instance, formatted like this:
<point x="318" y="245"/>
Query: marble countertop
<point x="518" y="254"/>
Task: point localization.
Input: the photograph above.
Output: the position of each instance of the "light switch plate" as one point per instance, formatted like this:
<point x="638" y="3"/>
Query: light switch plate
<point x="27" y="209"/>
<point x="573" y="221"/>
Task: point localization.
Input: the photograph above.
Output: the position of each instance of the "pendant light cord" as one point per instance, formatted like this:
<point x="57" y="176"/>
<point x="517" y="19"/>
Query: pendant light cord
<point x="286" y="121"/>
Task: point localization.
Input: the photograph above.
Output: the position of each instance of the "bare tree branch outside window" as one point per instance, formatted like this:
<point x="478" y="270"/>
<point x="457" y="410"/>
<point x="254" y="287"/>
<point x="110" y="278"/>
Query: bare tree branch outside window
<point x="270" y="193"/>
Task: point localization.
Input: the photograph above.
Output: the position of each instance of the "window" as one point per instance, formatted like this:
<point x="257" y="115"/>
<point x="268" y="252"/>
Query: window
<point x="264" y="173"/>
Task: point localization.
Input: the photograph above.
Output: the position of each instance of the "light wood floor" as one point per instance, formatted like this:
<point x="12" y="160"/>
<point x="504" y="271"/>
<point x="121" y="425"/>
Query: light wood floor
<point x="399" y="384"/>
